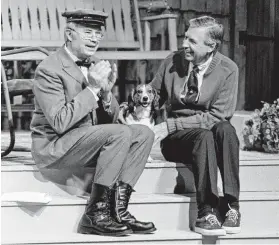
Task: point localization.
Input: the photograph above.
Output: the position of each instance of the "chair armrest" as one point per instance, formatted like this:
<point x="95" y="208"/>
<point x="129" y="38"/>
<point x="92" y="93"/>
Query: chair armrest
<point x="159" y="17"/>
<point x="20" y="86"/>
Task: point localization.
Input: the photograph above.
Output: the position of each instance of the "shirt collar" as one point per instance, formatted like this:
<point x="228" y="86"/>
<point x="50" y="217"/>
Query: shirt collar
<point x="203" y="67"/>
<point x="74" y="58"/>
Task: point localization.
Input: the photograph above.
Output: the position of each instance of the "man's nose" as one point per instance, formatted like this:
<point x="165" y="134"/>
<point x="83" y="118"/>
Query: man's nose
<point x="185" y="43"/>
<point x="93" y="38"/>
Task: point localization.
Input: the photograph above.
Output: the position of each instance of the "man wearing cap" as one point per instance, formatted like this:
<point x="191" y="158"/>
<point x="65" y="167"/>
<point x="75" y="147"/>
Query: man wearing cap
<point x="72" y="126"/>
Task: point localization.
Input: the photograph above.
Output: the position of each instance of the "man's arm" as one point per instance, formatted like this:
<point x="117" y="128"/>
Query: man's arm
<point x="50" y="94"/>
<point x="222" y="109"/>
<point x="108" y="110"/>
<point x="157" y="82"/>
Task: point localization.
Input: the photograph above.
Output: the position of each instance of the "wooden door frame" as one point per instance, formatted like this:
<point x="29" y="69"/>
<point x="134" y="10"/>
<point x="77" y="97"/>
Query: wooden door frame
<point x="238" y="24"/>
<point x="275" y="93"/>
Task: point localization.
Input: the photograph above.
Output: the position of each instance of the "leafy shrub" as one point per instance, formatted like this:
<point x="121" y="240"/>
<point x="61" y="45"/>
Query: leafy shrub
<point x="261" y="132"/>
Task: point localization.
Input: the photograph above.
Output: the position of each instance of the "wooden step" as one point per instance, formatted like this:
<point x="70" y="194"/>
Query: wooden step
<point x="159" y="237"/>
<point x="23" y="138"/>
<point x="258" y="172"/>
<point x="167" y="211"/>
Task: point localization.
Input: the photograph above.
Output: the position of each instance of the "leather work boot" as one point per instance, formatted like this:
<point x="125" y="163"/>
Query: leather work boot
<point x="97" y="218"/>
<point x="120" y="201"/>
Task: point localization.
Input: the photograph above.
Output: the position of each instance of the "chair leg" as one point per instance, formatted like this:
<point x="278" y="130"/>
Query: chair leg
<point x="147" y="35"/>
<point x="9" y="112"/>
<point x="172" y="34"/>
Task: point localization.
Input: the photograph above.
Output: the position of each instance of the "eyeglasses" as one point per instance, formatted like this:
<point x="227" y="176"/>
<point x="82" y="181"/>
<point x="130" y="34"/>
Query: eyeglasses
<point x="89" y="34"/>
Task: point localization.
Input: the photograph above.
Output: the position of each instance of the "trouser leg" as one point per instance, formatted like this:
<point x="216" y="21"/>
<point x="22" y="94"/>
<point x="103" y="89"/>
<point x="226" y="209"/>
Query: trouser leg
<point x="141" y="143"/>
<point x="227" y="149"/>
<point x="196" y="146"/>
<point x="104" y="146"/>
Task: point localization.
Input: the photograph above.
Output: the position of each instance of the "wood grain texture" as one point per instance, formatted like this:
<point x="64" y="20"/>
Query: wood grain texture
<point x="260" y="52"/>
<point x="41" y="20"/>
<point x="240" y="49"/>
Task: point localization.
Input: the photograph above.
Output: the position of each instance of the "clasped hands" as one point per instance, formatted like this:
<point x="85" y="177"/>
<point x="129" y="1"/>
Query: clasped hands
<point x="101" y="78"/>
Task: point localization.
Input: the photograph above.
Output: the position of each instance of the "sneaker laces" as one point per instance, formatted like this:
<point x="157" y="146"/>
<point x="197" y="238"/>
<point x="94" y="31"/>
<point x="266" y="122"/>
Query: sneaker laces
<point x="232" y="215"/>
<point x="212" y="219"/>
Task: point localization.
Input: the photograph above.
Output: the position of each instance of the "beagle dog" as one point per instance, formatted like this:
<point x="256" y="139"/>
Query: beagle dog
<point x="143" y="106"/>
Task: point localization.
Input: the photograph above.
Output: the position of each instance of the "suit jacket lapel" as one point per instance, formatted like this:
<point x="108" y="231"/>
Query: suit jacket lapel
<point x="70" y="67"/>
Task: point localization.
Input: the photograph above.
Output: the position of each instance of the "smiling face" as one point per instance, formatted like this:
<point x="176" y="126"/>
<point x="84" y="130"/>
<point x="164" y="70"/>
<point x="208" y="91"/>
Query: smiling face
<point x="197" y="46"/>
<point x="144" y="95"/>
<point x="83" y="41"/>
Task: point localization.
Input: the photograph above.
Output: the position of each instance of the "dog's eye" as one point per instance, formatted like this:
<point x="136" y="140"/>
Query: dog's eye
<point x="139" y="91"/>
<point x="150" y="91"/>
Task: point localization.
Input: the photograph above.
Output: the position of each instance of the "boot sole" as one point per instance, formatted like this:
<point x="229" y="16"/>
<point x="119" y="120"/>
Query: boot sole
<point x="231" y="230"/>
<point x="215" y="232"/>
<point x="90" y="231"/>
<point x="146" y="231"/>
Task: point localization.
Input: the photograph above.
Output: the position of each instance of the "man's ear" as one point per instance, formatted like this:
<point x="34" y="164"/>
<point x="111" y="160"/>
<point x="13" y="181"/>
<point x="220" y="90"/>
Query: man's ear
<point x="212" y="47"/>
<point x="155" y="103"/>
<point x="68" y="34"/>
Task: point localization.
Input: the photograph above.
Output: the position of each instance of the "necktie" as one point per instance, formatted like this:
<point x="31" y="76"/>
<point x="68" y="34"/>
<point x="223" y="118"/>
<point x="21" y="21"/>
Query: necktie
<point x="84" y="63"/>
<point x="192" y="87"/>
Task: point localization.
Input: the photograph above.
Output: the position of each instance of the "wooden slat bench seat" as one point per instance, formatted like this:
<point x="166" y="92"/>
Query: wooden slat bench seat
<point x="39" y="23"/>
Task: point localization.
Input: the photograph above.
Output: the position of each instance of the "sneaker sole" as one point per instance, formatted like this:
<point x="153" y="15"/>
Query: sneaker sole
<point x="215" y="232"/>
<point x="231" y="230"/>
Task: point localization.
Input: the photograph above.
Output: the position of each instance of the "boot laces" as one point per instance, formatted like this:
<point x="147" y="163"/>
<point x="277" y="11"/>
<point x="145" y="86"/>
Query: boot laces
<point x="212" y="219"/>
<point x="125" y="212"/>
<point x="232" y="214"/>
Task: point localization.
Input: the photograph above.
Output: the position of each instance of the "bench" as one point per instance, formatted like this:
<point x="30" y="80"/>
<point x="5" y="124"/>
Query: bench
<point x="39" y="23"/>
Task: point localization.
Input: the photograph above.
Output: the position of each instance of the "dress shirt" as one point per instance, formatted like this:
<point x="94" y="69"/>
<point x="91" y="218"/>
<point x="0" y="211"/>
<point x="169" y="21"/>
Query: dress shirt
<point x="202" y="69"/>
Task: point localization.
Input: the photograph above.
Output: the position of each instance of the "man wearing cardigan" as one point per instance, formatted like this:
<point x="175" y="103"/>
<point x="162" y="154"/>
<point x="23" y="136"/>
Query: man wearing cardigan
<point x="198" y="87"/>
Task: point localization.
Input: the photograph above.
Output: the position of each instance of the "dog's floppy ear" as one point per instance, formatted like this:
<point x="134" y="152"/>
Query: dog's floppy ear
<point x="131" y="103"/>
<point x="155" y="103"/>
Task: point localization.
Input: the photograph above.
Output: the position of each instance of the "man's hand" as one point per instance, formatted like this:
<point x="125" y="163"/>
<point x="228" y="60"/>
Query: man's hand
<point x="111" y="79"/>
<point x="106" y="87"/>
<point x="161" y="132"/>
<point x="123" y="107"/>
<point x="98" y="75"/>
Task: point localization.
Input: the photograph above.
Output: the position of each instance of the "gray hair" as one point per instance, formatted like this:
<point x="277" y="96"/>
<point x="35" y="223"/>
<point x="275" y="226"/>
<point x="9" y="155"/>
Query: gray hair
<point x="69" y="26"/>
<point x="215" y="29"/>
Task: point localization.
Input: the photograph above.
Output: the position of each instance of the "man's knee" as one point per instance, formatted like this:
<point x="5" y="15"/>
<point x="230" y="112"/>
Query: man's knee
<point x="143" y="133"/>
<point x="223" y="128"/>
<point x="123" y="131"/>
<point x="111" y="132"/>
<point x="206" y="135"/>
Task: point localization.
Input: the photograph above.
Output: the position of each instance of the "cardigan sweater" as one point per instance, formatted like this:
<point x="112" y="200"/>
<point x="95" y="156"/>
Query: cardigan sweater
<point x="218" y="92"/>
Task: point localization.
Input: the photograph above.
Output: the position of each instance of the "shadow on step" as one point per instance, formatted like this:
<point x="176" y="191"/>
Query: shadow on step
<point x="73" y="181"/>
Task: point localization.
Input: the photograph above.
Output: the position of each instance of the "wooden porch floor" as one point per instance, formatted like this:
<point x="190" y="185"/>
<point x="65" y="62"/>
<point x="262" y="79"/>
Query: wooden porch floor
<point x="21" y="153"/>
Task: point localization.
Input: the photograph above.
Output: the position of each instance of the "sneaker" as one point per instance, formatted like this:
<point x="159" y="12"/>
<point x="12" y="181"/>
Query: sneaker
<point x="209" y="225"/>
<point x="232" y="221"/>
